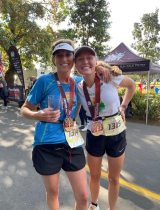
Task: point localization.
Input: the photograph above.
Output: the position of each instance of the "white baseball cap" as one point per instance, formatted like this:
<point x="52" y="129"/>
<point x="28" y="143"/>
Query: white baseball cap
<point x="63" y="46"/>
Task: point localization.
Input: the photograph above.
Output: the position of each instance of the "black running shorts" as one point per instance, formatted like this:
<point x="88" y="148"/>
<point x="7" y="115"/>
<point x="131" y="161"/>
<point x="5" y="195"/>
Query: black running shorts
<point x="49" y="159"/>
<point x="113" y="146"/>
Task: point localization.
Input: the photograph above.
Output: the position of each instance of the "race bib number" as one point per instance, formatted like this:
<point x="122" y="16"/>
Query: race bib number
<point x="74" y="137"/>
<point x="113" y="125"/>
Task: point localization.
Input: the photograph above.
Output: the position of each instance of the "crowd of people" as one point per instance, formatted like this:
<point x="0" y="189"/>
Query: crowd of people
<point x="57" y="140"/>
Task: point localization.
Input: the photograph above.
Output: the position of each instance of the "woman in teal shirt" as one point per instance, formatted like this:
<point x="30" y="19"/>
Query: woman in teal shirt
<point x="51" y="151"/>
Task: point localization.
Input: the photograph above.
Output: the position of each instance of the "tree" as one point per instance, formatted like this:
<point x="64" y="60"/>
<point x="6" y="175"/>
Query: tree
<point x="89" y="21"/>
<point x="18" y="27"/>
<point x="56" y="10"/>
<point x="147" y="36"/>
<point x="85" y="21"/>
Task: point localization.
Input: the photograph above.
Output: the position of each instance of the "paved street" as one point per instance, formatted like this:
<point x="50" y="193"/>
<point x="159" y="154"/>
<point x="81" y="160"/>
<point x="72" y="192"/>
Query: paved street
<point x="21" y="188"/>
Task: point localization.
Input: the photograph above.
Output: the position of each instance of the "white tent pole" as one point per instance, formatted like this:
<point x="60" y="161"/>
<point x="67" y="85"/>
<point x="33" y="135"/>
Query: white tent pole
<point x="148" y="87"/>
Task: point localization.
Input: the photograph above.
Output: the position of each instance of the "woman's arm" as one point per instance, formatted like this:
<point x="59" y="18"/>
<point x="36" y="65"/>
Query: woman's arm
<point x="130" y="86"/>
<point x="30" y="111"/>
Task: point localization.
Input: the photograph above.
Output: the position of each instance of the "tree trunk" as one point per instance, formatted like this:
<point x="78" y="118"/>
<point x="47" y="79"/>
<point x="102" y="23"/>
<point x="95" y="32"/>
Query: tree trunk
<point x="9" y="76"/>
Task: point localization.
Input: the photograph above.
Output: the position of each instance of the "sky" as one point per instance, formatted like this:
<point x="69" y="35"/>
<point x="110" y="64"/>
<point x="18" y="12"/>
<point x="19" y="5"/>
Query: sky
<point x="124" y="13"/>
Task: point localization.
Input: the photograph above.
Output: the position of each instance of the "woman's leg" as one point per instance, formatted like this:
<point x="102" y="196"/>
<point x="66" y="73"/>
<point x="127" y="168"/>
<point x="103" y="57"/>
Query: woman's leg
<point x="5" y="101"/>
<point x="78" y="180"/>
<point x="114" y="168"/>
<point x="94" y="164"/>
<point x="51" y="184"/>
<point x="85" y="116"/>
<point x="2" y="94"/>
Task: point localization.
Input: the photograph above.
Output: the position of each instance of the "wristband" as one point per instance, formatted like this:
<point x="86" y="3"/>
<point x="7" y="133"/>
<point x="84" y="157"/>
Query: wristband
<point x="123" y="106"/>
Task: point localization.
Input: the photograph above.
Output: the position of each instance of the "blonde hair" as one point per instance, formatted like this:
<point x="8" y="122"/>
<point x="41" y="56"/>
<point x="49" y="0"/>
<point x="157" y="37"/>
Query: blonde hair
<point x="115" y="70"/>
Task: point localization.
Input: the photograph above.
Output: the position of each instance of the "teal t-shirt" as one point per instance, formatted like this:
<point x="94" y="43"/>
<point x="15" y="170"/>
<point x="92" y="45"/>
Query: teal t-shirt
<point x="50" y="133"/>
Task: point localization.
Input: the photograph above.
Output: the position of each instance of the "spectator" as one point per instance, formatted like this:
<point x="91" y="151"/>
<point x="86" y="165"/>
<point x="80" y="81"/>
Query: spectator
<point x="83" y="119"/>
<point x="32" y="81"/>
<point x="3" y="91"/>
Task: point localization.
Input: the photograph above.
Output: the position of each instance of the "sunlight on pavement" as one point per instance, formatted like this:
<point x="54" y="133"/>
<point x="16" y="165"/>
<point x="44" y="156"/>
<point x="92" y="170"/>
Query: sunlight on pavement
<point x="6" y="143"/>
<point x="140" y="190"/>
<point x="8" y="182"/>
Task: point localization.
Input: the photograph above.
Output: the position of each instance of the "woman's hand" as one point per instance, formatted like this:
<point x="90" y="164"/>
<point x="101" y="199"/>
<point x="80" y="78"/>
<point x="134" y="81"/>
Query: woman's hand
<point x="103" y="73"/>
<point x="48" y="115"/>
<point x="122" y="111"/>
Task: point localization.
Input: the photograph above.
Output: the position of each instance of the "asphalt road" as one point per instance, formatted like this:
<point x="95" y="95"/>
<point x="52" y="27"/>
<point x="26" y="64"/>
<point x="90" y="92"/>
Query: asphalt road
<point x="22" y="189"/>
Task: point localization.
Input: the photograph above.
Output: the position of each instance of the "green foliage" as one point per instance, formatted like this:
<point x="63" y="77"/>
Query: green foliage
<point x="18" y="27"/>
<point x="89" y="21"/>
<point x="56" y="11"/>
<point x="139" y="103"/>
<point x="67" y="34"/>
<point x="121" y="92"/>
<point x="154" y="107"/>
<point x="147" y="36"/>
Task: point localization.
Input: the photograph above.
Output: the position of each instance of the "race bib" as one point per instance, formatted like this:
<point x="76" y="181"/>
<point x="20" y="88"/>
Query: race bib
<point x="113" y="125"/>
<point x="74" y="137"/>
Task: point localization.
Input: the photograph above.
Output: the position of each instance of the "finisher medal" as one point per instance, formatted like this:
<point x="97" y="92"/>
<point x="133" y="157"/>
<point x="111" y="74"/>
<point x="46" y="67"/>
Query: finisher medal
<point x="68" y="124"/>
<point x="97" y="128"/>
<point x="96" y="125"/>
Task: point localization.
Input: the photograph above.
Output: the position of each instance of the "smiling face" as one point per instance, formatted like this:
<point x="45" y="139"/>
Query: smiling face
<point x="63" y="60"/>
<point x="85" y="63"/>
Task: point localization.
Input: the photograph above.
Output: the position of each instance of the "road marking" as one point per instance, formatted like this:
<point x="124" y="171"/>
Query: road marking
<point x="141" y="190"/>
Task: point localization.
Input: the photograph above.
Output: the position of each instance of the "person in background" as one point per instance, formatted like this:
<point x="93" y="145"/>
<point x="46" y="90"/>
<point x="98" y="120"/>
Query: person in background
<point x="32" y="81"/>
<point x="3" y="92"/>
<point x="83" y="119"/>
<point x="55" y="148"/>
<point x="106" y="127"/>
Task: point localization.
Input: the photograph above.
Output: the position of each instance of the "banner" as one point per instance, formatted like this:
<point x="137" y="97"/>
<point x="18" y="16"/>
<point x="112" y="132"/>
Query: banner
<point x="16" y="63"/>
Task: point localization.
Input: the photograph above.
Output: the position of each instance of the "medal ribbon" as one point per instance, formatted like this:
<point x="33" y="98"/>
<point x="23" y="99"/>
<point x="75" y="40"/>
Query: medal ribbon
<point x="94" y="110"/>
<point x="67" y="106"/>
